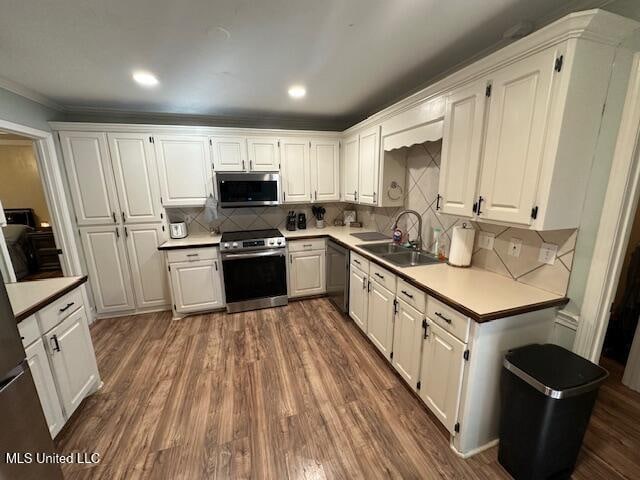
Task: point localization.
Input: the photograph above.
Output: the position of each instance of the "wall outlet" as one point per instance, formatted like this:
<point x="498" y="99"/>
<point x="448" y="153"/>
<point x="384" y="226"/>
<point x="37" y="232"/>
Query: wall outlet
<point x="515" y="247"/>
<point x="547" y="254"/>
<point x="486" y="240"/>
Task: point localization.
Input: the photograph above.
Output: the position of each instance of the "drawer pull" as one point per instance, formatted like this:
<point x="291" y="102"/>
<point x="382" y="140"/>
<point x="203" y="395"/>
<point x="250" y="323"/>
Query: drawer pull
<point x="356" y="261"/>
<point x="379" y="276"/>
<point x="448" y="320"/>
<point x="192" y="254"/>
<point x="69" y="305"/>
<point x="307" y="245"/>
<point x="407" y="293"/>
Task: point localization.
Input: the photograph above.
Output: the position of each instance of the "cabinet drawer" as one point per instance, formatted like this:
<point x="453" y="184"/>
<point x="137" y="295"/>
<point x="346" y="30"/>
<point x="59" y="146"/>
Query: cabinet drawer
<point x="412" y="295"/>
<point x="360" y="262"/>
<point x="302" y="245"/>
<point x="448" y="318"/>
<point x="29" y="330"/>
<point x="192" y="254"/>
<point x="382" y="276"/>
<point x="53" y="314"/>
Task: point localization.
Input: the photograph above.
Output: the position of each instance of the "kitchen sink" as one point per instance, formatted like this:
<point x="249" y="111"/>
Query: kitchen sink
<point x="400" y="256"/>
<point x="383" y="248"/>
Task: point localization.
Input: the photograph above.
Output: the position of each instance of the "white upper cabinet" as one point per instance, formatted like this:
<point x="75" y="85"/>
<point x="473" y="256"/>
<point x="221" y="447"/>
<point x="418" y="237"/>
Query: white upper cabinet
<point x="461" y="148"/>
<point x="136" y="177"/>
<point x="514" y="144"/>
<point x="86" y="158"/>
<point x="264" y="154"/>
<point x="229" y="154"/>
<point x="296" y="170"/>
<point x="368" y="166"/>
<point x="147" y="265"/>
<point x="350" y="168"/>
<point x="184" y="163"/>
<point x="106" y="258"/>
<point x="325" y="170"/>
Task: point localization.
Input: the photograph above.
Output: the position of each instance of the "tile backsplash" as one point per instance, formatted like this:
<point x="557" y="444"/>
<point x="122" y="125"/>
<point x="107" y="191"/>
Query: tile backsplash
<point x="423" y="172"/>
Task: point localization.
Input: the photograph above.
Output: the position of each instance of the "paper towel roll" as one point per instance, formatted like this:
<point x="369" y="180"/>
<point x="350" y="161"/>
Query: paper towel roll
<point x="461" y="246"/>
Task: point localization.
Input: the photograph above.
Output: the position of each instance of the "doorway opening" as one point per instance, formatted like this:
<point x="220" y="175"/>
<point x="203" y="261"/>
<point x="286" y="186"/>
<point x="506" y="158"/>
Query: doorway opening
<point x="29" y="249"/>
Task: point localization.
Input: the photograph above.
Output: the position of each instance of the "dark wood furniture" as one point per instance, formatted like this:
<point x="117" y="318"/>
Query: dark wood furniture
<point x="44" y="250"/>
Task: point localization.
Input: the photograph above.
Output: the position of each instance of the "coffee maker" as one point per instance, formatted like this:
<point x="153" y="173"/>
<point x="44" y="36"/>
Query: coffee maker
<point x="302" y="221"/>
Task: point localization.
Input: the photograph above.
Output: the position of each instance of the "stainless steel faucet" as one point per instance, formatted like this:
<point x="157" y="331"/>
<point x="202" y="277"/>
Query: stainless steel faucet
<point x="417" y="244"/>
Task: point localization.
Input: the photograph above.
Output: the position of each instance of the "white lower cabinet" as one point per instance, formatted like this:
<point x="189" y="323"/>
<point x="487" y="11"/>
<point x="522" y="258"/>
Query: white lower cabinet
<point x="307" y="273"/>
<point x="442" y="373"/>
<point x="358" y="298"/>
<point x="147" y="265"/>
<point x="72" y="359"/>
<point x="105" y="254"/>
<point x="380" y="317"/>
<point x="196" y="286"/>
<point x="407" y="341"/>
<point x="45" y="385"/>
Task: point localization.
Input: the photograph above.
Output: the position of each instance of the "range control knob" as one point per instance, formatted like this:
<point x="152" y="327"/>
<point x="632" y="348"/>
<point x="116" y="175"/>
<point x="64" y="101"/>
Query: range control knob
<point x="234" y="245"/>
<point x="272" y="241"/>
<point x="279" y="241"/>
<point x="226" y="245"/>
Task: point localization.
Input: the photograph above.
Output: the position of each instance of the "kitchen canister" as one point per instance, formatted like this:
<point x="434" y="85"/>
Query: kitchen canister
<point x="461" y="246"/>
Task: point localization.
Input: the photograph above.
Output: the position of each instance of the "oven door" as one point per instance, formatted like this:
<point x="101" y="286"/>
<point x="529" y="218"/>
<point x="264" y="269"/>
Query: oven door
<point x="251" y="279"/>
<point x="248" y="189"/>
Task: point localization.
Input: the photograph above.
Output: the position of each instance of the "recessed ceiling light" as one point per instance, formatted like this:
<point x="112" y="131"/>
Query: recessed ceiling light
<point x="145" y="79"/>
<point x="297" y="91"/>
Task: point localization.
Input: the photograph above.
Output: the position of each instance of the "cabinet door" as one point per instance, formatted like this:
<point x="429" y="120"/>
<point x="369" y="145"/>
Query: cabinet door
<point x="104" y="251"/>
<point x="229" y="154"/>
<point x="307" y="273"/>
<point x="461" y="147"/>
<point x="350" y="168"/>
<point x="196" y="286"/>
<point x="516" y="126"/>
<point x="73" y="359"/>
<point x="407" y="342"/>
<point x="136" y="176"/>
<point x="325" y="170"/>
<point x="369" y="162"/>
<point x="358" y="298"/>
<point x="380" y="318"/>
<point x="441" y="374"/>
<point x="296" y="173"/>
<point x="86" y="159"/>
<point x="264" y="154"/>
<point x="184" y="163"/>
<point x="147" y="265"/>
<point x="39" y="365"/>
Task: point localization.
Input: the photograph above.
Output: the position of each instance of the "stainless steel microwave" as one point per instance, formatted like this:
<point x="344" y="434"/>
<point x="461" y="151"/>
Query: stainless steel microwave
<point x="248" y="189"/>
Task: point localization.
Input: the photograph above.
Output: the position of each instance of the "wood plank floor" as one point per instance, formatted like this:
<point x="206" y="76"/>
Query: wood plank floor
<point x="293" y="392"/>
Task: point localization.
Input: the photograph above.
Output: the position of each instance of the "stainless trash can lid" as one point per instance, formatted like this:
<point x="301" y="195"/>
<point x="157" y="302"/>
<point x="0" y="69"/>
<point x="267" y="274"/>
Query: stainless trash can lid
<point x="554" y="371"/>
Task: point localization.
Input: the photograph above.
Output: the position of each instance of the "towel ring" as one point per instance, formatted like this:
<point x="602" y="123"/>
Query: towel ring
<point x="394" y="186"/>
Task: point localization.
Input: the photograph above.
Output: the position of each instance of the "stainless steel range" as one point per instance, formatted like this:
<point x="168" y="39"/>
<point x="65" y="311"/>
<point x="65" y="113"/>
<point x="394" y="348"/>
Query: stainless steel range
<point x="254" y="268"/>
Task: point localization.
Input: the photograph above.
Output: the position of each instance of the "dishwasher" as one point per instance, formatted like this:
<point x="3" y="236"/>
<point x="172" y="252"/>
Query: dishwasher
<point x="338" y="275"/>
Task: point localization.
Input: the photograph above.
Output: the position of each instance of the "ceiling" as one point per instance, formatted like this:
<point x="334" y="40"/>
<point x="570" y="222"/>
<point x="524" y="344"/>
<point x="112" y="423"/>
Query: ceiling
<point x="238" y="57"/>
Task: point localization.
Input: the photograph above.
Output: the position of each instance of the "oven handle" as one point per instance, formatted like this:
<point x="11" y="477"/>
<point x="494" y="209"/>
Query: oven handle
<point x="263" y="253"/>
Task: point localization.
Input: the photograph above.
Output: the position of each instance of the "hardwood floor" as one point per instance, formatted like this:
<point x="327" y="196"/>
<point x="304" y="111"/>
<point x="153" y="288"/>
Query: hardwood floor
<point x="292" y="392"/>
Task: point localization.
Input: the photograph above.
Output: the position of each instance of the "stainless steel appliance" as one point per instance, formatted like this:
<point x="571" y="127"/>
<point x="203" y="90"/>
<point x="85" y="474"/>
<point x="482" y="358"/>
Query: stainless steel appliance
<point x="248" y="189"/>
<point x="178" y="230"/>
<point x="338" y="275"/>
<point x="24" y="428"/>
<point x="254" y="266"/>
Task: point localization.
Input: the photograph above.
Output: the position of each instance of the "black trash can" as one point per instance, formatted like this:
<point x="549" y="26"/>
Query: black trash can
<point x="547" y="394"/>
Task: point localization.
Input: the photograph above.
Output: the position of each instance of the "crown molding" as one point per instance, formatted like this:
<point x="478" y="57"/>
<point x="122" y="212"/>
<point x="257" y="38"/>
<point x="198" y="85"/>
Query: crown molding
<point x="29" y="94"/>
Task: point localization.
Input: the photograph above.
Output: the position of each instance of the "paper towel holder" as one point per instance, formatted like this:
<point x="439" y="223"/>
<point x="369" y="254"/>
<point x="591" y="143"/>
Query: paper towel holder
<point x="470" y="253"/>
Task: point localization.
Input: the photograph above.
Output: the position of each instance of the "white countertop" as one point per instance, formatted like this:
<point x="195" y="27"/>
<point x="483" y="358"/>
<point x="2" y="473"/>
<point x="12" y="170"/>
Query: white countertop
<point x="480" y="291"/>
<point x="24" y="296"/>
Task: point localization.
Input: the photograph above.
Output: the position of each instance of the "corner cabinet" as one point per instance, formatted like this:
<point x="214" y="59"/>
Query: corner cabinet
<point x="536" y="133"/>
<point x="184" y="164"/>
